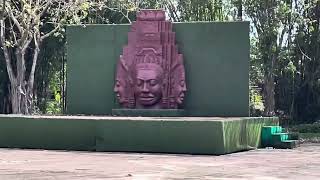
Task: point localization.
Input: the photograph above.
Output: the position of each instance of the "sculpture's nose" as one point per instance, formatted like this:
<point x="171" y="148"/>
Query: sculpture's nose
<point x="184" y="88"/>
<point x="145" y="89"/>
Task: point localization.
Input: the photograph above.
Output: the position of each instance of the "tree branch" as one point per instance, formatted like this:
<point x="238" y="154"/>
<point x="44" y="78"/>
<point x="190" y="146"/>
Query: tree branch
<point x="46" y="6"/>
<point x="279" y="46"/>
<point x="3" y="9"/>
<point x="15" y="21"/>
<point x="26" y="44"/>
<point x="6" y="52"/>
<point x="13" y="33"/>
<point x="173" y="11"/>
<point x="303" y="54"/>
<point x="50" y="33"/>
<point x="34" y="60"/>
<point x="120" y="11"/>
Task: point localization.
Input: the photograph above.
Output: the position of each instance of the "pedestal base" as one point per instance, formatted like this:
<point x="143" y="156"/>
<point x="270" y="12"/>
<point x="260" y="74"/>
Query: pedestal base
<point x="190" y="135"/>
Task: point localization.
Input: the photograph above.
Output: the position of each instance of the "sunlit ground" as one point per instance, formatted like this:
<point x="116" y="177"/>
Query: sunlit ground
<point x="300" y="163"/>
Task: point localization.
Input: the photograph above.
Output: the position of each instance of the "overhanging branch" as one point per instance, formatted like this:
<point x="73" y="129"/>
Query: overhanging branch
<point x="15" y="21"/>
<point x="45" y="8"/>
<point x="50" y="33"/>
<point x="34" y="59"/>
<point x="6" y="52"/>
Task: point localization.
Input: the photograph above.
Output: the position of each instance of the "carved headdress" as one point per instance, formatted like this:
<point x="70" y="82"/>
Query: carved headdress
<point x="151" y="47"/>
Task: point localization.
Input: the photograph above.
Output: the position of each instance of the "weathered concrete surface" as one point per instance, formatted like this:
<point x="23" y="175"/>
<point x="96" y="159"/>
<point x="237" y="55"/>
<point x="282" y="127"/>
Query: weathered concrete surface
<point x="300" y="163"/>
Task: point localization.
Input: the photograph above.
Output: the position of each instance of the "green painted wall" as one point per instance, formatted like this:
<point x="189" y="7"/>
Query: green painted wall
<point x="216" y="58"/>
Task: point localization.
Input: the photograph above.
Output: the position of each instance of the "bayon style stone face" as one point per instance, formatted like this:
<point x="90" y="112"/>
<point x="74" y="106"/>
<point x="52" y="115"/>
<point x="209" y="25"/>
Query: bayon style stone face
<point x="180" y="85"/>
<point x="150" y="73"/>
<point x="148" y="85"/>
<point x="120" y="87"/>
<point x="119" y="90"/>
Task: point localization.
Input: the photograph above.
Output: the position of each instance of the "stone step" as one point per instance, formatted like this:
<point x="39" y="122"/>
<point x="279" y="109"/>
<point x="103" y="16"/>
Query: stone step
<point x="276" y="136"/>
<point x="266" y="135"/>
<point x="272" y="129"/>
<point x="294" y="136"/>
<point x="279" y="137"/>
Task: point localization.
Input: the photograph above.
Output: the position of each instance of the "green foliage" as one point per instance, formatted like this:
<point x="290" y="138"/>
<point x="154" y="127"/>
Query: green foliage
<point x="104" y="12"/>
<point x="286" y="49"/>
<point x="53" y="107"/>
<point x="256" y="64"/>
<point x="306" y="128"/>
<point x="298" y="90"/>
<point x="55" y="104"/>
<point x="50" y="76"/>
<point x="200" y="10"/>
<point x="256" y="102"/>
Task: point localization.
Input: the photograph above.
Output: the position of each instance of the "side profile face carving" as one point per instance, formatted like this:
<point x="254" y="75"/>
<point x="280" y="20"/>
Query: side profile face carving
<point x="150" y="73"/>
<point x="119" y="90"/>
<point x="121" y="84"/>
<point x="148" y="85"/>
<point x="180" y="85"/>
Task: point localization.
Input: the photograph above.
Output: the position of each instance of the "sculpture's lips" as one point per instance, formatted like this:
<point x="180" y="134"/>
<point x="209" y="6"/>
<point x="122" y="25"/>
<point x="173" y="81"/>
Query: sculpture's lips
<point x="146" y="99"/>
<point x="180" y="98"/>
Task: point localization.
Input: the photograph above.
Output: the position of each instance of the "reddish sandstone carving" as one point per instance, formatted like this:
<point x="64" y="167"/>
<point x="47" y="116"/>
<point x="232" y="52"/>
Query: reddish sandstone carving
<point x="150" y="73"/>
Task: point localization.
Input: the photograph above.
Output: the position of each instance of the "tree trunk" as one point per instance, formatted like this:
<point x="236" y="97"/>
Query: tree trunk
<point x="21" y="90"/>
<point x="15" y="98"/>
<point x="239" y="13"/>
<point x="268" y="92"/>
<point x="21" y="98"/>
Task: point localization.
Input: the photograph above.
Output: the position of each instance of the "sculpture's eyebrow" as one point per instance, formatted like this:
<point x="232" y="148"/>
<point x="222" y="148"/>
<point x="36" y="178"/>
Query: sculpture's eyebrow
<point x="143" y="79"/>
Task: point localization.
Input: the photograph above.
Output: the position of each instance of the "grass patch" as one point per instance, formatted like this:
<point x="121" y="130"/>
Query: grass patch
<point x="306" y="128"/>
<point x="308" y="133"/>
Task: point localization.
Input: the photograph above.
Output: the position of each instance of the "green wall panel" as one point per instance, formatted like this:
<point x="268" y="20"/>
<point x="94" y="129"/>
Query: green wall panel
<point x="90" y="72"/>
<point x="216" y="57"/>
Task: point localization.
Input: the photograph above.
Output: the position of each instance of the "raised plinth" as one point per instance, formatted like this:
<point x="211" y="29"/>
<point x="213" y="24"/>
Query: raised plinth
<point x="191" y="135"/>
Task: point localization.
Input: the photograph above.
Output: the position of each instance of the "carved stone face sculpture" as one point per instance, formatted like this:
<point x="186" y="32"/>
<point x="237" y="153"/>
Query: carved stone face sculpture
<point x="150" y="73"/>
<point x="180" y="85"/>
<point x="121" y="84"/>
<point x="148" y="86"/>
<point x="119" y="90"/>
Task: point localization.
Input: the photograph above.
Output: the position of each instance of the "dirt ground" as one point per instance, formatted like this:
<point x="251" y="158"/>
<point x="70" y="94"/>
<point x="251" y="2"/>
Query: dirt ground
<point x="300" y="163"/>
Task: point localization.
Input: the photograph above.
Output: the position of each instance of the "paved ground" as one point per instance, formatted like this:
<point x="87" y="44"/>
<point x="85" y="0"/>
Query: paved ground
<point x="300" y="163"/>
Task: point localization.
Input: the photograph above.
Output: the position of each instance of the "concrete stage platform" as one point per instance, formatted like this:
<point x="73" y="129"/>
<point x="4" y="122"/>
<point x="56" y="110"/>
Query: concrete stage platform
<point x="190" y="135"/>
